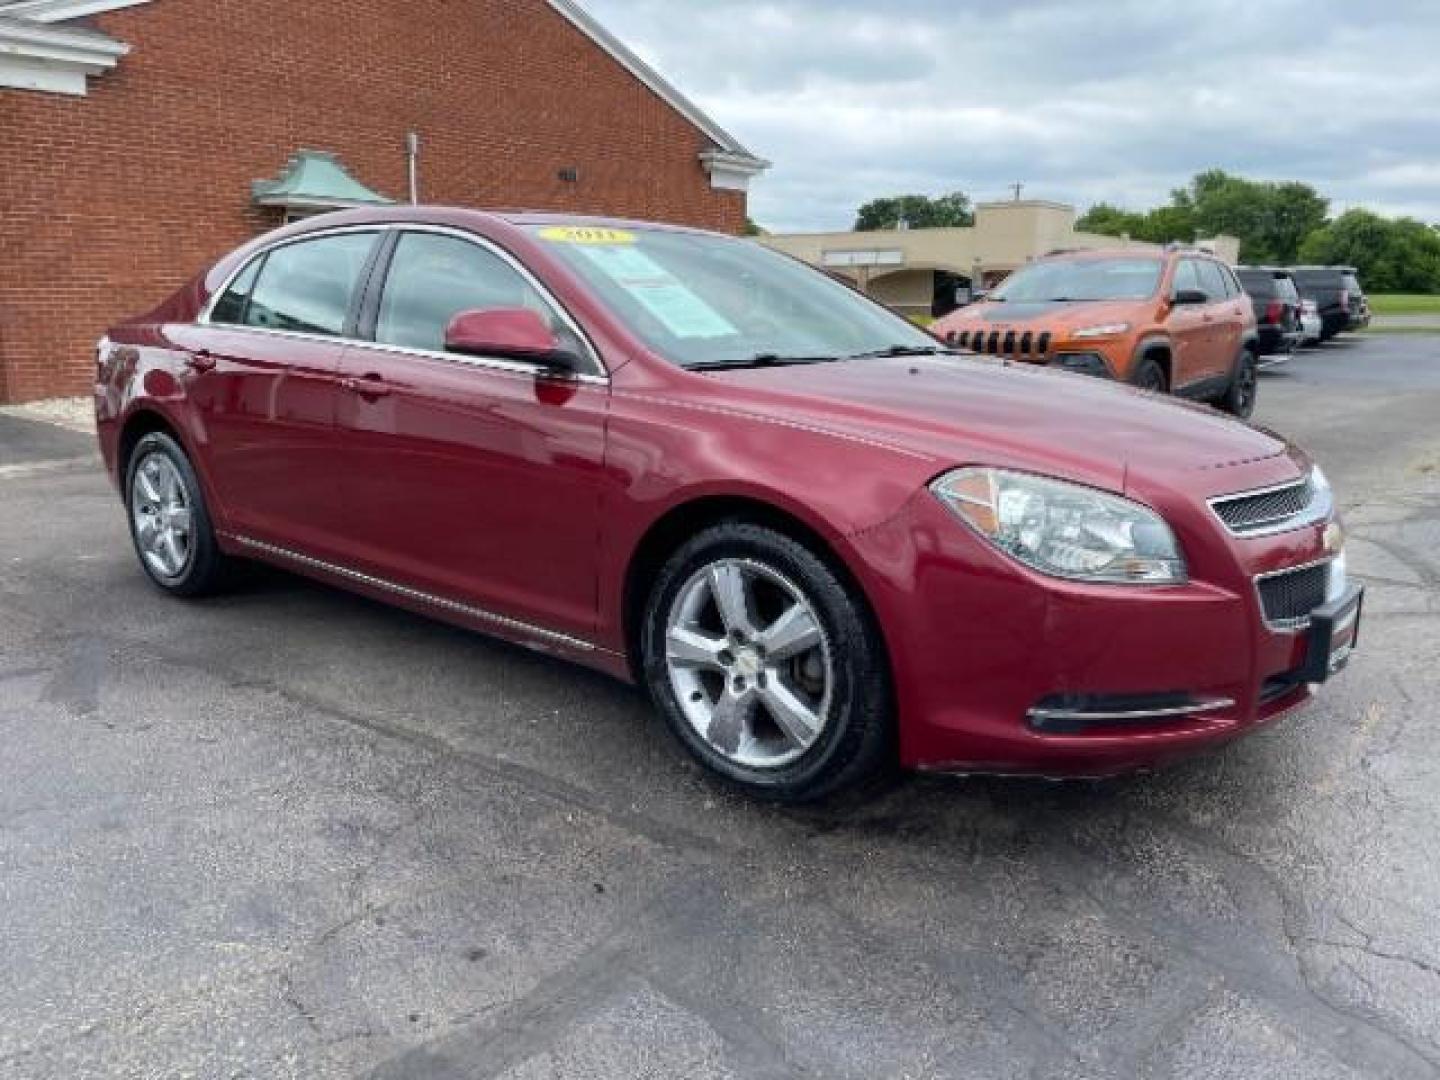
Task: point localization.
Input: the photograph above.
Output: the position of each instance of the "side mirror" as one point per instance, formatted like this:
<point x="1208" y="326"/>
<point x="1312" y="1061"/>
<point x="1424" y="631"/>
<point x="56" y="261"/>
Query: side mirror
<point x="509" y="334"/>
<point x="1190" y="296"/>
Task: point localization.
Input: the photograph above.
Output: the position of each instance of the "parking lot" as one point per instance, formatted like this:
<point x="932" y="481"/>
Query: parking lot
<point x="292" y="833"/>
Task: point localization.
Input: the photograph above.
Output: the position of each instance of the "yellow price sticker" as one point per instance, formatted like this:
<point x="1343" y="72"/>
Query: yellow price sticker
<point x="586" y="234"/>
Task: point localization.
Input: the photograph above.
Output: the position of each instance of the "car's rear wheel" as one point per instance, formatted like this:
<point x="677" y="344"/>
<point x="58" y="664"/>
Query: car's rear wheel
<point x="1149" y="375"/>
<point x="1239" y="398"/>
<point x="766" y="665"/>
<point x="169" y="521"/>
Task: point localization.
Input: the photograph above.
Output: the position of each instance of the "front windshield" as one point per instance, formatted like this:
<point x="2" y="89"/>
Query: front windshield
<point x="1082" y="279"/>
<point x="702" y="300"/>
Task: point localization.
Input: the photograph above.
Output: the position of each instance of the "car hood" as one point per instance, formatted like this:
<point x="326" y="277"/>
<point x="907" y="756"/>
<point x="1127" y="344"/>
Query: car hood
<point x="1049" y="314"/>
<point x="970" y="410"/>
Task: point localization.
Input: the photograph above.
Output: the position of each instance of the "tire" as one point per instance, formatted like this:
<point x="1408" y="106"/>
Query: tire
<point x="163" y="494"/>
<point x="1149" y="375"/>
<point x="732" y="703"/>
<point x="1239" y="397"/>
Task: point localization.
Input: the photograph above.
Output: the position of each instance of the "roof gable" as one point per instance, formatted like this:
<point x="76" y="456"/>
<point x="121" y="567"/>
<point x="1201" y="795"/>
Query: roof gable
<point x="734" y="152"/>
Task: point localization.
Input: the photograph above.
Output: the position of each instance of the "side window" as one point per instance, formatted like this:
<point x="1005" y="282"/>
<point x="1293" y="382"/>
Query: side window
<point x="434" y="277"/>
<point x="1227" y="276"/>
<point x="307" y="286"/>
<point x="1186" y="276"/>
<point x="231" y="306"/>
<point x="1211" y="279"/>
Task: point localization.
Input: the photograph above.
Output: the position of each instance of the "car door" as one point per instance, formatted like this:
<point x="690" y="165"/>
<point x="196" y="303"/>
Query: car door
<point x="471" y="479"/>
<point x="1189" y="328"/>
<point x="1231" y="317"/>
<point x="265" y="364"/>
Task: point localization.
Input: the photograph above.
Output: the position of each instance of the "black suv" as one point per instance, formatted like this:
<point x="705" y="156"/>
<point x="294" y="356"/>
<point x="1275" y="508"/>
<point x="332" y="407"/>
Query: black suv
<point x="1276" y="301"/>
<point x="1336" y="292"/>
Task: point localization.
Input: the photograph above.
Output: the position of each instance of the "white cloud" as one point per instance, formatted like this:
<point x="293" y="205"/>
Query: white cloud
<point x="1119" y="100"/>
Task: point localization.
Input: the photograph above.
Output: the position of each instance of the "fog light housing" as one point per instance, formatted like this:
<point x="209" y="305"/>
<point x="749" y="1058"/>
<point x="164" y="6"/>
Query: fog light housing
<point x="1083" y="363"/>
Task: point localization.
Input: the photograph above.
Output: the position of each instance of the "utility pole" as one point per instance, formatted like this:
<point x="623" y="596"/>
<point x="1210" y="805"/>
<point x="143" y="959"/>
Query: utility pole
<point x="1017" y="188"/>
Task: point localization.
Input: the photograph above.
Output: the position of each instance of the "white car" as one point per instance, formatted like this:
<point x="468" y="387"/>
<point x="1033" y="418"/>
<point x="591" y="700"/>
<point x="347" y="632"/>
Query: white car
<point x="1310" y="323"/>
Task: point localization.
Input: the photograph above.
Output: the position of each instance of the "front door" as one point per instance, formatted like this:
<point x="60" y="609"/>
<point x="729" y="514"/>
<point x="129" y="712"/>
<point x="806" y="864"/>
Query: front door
<point x="1189" y="326"/>
<point x="470" y="479"/>
<point x="264" y="379"/>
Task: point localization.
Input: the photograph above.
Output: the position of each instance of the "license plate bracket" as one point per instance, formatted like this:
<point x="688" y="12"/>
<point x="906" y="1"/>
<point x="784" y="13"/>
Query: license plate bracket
<point x="1333" y="636"/>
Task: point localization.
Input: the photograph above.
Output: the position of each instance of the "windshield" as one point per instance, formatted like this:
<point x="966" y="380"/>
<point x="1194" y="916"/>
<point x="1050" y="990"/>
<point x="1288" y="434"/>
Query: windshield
<point x="1082" y="279"/>
<point x="702" y="300"/>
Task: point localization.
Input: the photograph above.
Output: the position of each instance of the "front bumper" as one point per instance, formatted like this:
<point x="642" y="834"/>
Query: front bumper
<point x="1002" y="670"/>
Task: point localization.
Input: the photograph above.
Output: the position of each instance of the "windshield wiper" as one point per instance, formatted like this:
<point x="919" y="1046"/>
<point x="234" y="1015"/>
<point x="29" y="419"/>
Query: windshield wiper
<point x="903" y="350"/>
<point x="761" y="360"/>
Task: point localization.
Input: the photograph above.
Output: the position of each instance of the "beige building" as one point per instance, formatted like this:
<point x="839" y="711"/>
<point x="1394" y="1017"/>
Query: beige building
<point x="929" y="271"/>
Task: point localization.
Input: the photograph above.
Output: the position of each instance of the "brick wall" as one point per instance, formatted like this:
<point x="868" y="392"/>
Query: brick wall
<point x="110" y="201"/>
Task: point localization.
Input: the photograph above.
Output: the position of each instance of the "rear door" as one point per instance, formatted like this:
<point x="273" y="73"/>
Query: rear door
<point x="1235" y="319"/>
<point x="266" y="363"/>
<point x="471" y="479"/>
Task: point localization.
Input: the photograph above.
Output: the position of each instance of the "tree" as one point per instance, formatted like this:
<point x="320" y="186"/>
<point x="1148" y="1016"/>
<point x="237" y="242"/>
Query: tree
<point x="1108" y="220"/>
<point x="916" y="211"/>
<point x="1390" y="254"/>
<point x="751" y="229"/>
<point x="1271" y="220"/>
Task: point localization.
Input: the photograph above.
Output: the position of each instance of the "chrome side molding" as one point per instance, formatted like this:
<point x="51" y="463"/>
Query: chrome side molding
<point x="506" y="625"/>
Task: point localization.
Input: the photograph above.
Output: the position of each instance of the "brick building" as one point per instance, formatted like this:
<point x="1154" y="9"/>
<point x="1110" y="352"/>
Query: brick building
<point x="139" y="139"/>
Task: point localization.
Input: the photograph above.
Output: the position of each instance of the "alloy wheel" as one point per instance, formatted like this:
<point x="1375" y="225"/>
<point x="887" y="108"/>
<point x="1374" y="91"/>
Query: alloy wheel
<point x="750" y="663"/>
<point x="162" y="516"/>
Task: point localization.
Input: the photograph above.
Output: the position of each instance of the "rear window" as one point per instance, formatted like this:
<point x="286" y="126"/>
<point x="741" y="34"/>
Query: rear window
<point x="1258" y="282"/>
<point x="1351" y="282"/>
<point x="1285" y="287"/>
<point x="1317" y="278"/>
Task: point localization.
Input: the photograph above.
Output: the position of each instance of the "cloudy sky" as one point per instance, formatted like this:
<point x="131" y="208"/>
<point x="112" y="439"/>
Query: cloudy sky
<point x="1085" y="100"/>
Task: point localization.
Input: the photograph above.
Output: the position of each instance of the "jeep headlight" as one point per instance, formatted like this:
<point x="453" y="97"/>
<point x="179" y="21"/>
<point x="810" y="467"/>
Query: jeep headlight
<point x="1064" y="529"/>
<point x="1104" y="330"/>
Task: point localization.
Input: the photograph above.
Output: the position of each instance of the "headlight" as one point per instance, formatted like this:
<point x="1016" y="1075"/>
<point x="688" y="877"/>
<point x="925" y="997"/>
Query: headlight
<point x="1064" y="529"/>
<point x="1104" y="330"/>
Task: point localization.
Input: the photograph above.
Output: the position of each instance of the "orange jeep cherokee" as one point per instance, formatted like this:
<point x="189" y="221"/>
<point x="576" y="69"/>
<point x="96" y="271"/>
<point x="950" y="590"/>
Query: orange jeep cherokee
<point x="1171" y="321"/>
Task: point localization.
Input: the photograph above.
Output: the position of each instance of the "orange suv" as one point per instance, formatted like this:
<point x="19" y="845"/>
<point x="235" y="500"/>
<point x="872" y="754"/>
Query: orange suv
<point x="1173" y="321"/>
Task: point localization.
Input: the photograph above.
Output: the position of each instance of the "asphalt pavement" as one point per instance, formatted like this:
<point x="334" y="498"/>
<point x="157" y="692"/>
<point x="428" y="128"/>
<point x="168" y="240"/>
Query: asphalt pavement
<point x="292" y="833"/>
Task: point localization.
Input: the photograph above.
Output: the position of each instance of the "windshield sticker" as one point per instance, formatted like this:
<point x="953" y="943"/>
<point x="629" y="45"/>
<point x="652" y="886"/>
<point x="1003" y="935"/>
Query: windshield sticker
<point x="679" y="310"/>
<point x="574" y="234"/>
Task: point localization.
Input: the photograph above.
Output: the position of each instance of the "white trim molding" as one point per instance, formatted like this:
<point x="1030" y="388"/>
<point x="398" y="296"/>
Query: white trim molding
<point x="56" y="59"/>
<point x="51" y="11"/>
<point x="732" y="172"/>
<point x="730" y="165"/>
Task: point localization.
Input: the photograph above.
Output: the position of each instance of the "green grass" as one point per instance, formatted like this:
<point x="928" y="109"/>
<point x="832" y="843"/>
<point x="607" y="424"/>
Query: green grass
<point x="1404" y="304"/>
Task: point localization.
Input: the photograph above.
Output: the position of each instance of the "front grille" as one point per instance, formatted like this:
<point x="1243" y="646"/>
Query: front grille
<point x="1270" y="510"/>
<point x="996" y="343"/>
<point x="1287" y="598"/>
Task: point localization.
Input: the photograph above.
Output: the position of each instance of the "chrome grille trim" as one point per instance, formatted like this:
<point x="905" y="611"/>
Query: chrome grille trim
<point x="1289" y="624"/>
<point x="1275" y="509"/>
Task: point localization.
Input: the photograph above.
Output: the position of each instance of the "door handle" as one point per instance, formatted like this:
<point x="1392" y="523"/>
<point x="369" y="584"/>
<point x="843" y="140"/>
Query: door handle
<point x="371" y="387"/>
<point x="201" y="361"/>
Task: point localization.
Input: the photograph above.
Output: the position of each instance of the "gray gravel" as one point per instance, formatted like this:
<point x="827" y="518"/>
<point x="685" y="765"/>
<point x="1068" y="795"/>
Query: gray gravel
<point x="291" y="833"/>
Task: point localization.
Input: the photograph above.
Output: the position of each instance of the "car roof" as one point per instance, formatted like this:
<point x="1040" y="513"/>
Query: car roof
<point x="463" y="216"/>
<point x="1101" y="253"/>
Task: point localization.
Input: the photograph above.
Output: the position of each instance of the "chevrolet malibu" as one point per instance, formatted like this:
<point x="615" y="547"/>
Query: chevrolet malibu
<point x="820" y="540"/>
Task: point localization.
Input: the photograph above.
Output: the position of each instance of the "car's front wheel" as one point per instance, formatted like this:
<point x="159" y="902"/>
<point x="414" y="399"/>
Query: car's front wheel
<point x="1239" y="398"/>
<point x="169" y="521"/>
<point x="766" y="665"/>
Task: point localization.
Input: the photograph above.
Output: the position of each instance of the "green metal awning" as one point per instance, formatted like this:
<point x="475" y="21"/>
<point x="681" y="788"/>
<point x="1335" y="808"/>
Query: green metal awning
<point x="315" y="180"/>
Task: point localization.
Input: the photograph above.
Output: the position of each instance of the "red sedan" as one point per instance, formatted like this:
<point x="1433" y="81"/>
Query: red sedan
<point x="818" y="538"/>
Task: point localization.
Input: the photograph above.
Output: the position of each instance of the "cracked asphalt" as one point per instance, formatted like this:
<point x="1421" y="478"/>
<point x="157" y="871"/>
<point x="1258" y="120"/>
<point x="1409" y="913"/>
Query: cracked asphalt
<point x="291" y="833"/>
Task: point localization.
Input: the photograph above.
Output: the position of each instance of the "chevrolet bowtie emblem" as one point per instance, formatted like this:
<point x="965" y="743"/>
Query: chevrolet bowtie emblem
<point x="1334" y="538"/>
